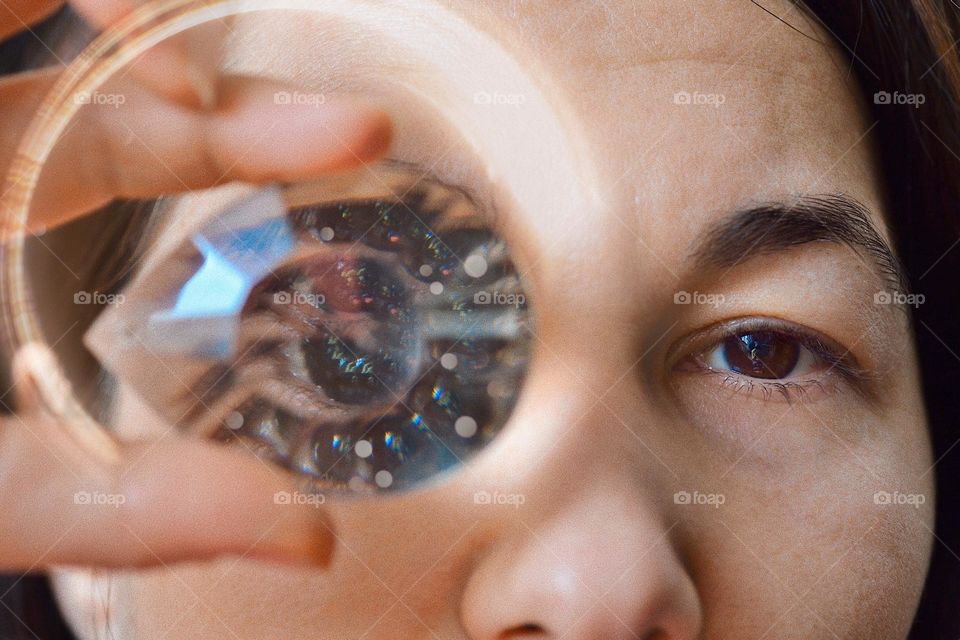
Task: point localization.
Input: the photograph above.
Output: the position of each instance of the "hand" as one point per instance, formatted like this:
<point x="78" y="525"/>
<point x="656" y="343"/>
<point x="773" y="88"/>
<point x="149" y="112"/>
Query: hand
<point x="78" y="497"/>
<point x="75" y="496"/>
<point x="182" y="126"/>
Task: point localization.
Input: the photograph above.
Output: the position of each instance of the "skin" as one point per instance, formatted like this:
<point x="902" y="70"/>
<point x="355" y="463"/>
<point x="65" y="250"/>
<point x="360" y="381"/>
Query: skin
<point x="610" y="425"/>
<point x="45" y="460"/>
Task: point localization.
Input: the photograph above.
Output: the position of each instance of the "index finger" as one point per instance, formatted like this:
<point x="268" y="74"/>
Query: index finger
<point x="72" y="499"/>
<point x="148" y="146"/>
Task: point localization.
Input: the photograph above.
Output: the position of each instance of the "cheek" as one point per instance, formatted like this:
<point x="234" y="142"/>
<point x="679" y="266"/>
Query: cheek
<point x="831" y="543"/>
<point x="386" y="580"/>
<point x="849" y="574"/>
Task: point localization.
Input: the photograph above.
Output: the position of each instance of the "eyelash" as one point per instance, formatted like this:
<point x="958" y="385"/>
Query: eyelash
<point x="834" y="361"/>
<point x="790" y="391"/>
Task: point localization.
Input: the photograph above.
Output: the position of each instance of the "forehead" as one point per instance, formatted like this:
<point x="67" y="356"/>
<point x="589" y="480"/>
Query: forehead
<point x="690" y="102"/>
<point x="660" y="112"/>
<point x="692" y="109"/>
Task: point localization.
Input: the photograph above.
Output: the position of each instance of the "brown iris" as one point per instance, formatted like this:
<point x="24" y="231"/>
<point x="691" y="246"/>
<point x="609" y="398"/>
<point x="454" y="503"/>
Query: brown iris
<point x="762" y="354"/>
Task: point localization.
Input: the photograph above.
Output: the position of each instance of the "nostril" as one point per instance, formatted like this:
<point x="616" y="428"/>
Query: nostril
<point x="527" y="630"/>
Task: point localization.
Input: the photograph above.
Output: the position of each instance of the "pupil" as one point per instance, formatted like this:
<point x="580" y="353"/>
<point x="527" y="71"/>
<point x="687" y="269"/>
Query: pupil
<point x="762" y="354"/>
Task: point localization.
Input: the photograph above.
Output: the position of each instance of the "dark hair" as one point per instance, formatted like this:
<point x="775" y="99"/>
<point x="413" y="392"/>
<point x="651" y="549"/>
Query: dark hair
<point x="909" y="47"/>
<point x="899" y="45"/>
<point x="32" y="610"/>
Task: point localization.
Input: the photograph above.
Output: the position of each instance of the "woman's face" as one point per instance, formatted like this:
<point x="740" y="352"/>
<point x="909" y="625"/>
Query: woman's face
<point x="721" y="434"/>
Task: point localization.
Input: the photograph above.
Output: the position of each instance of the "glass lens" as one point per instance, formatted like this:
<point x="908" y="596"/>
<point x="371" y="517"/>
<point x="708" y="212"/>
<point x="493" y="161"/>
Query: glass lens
<point x="368" y="334"/>
<point x="366" y="330"/>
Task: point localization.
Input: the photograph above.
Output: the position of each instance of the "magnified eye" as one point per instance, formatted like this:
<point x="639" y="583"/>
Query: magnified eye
<point x="369" y="341"/>
<point x="762" y="354"/>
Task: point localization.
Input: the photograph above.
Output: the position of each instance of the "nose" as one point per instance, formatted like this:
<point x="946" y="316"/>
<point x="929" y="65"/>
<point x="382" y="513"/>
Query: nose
<point x="603" y="566"/>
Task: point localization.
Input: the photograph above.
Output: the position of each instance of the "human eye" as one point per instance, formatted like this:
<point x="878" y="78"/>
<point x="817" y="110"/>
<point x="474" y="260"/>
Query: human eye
<point x="771" y="359"/>
<point x="368" y="333"/>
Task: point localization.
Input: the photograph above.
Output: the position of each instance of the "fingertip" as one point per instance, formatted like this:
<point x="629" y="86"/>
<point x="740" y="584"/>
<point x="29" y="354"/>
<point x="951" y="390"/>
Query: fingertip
<point x="37" y="378"/>
<point x="310" y="542"/>
<point x="373" y="134"/>
<point x="28" y="360"/>
<point x="344" y="136"/>
<point x="347" y="135"/>
<point x="264" y="130"/>
<point x="193" y="499"/>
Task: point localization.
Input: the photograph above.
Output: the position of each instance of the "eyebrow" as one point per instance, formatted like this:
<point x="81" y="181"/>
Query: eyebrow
<point x="774" y="227"/>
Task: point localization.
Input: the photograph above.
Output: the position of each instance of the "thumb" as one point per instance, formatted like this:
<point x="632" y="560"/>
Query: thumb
<point x="72" y="498"/>
<point x="183" y="68"/>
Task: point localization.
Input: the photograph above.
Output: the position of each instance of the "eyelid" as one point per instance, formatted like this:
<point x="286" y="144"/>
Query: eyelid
<point x="181" y="215"/>
<point x="390" y="178"/>
<point x="838" y="360"/>
<point x="470" y="186"/>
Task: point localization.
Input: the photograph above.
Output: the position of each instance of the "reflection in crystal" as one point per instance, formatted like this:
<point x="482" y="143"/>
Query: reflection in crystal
<point x="354" y="341"/>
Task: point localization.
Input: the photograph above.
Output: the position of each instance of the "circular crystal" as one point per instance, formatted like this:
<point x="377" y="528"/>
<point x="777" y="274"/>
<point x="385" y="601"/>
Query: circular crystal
<point x="384" y="337"/>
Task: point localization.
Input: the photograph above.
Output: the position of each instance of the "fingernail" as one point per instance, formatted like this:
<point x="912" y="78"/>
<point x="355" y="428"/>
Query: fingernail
<point x="307" y="543"/>
<point x="42" y="388"/>
<point x="203" y="84"/>
<point x="375" y="139"/>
